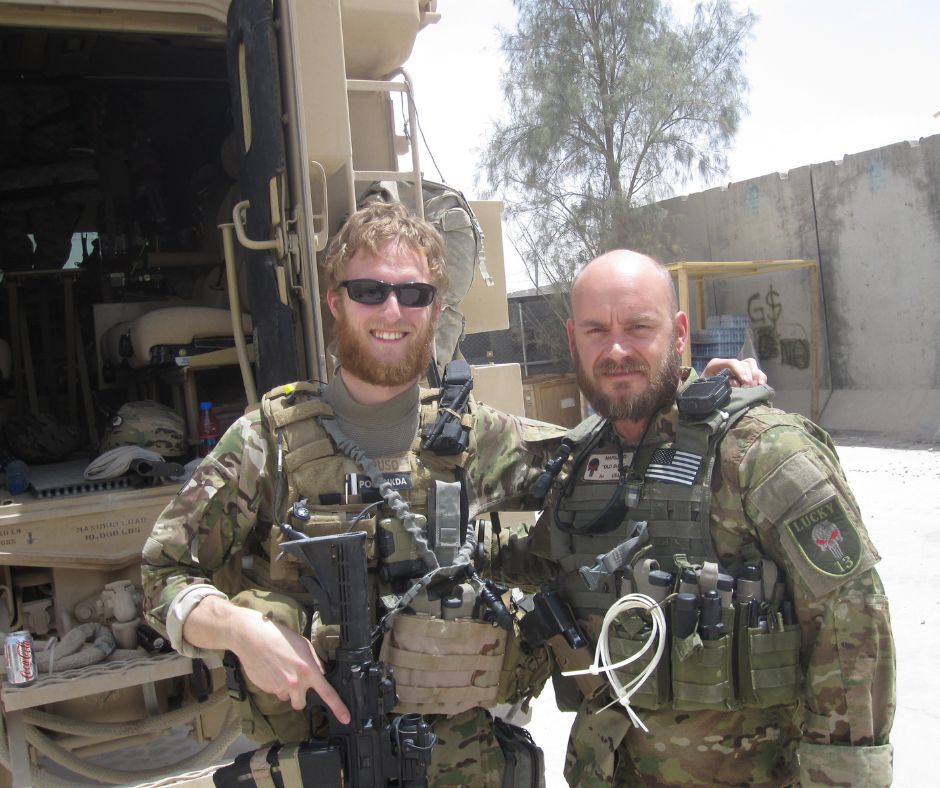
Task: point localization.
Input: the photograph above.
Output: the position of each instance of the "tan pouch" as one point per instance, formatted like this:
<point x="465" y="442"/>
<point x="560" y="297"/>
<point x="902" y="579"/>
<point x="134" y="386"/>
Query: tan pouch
<point x="264" y="716"/>
<point x="443" y="667"/>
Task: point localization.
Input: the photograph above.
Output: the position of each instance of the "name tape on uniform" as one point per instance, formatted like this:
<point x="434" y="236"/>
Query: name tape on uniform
<point x="605" y="466"/>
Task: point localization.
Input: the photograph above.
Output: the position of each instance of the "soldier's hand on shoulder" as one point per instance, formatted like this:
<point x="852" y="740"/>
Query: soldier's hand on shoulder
<point x="745" y="371"/>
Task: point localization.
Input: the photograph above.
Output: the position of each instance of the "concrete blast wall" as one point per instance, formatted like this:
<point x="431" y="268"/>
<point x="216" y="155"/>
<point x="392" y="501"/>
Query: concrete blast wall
<point x="873" y="223"/>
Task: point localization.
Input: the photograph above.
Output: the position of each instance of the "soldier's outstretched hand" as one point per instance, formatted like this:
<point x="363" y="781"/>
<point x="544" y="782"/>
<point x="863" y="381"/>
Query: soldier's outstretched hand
<point x="283" y="663"/>
<point x="276" y="659"/>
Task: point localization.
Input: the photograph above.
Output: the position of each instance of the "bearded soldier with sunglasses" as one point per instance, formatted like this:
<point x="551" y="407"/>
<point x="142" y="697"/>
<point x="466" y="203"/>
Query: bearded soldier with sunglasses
<point x="213" y="574"/>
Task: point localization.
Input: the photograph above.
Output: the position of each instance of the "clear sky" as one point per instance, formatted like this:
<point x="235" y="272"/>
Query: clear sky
<point x="827" y="78"/>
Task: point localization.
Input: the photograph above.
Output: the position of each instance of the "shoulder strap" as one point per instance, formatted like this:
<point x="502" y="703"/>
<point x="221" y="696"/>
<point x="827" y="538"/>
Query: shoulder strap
<point x="703" y="436"/>
<point x="293" y="402"/>
<point x="742" y="400"/>
<point x="291" y="414"/>
<point x="450" y="432"/>
<point x="586" y="429"/>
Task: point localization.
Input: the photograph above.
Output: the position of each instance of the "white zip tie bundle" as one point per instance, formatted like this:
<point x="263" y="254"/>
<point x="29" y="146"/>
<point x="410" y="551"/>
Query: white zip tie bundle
<point x="602" y="663"/>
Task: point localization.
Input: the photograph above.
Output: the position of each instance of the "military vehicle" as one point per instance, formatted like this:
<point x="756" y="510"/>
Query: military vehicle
<point x="131" y="131"/>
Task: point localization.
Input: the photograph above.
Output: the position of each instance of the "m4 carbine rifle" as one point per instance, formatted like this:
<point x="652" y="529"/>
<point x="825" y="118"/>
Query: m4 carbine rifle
<point x="373" y="750"/>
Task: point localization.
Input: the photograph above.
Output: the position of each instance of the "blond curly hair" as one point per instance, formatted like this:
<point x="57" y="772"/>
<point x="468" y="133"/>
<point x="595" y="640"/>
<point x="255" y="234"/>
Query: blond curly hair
<point x="374" y="225"/>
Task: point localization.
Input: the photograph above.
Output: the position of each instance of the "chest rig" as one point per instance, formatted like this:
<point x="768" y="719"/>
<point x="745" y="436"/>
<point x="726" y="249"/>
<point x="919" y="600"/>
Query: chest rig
<point x="312" y="482"/>
<point x="652" y="502"/>
<point x="444" y="660"/>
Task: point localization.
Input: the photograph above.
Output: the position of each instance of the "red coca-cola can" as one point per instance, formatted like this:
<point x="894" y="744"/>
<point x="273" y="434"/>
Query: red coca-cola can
<point x="18" y="653"/>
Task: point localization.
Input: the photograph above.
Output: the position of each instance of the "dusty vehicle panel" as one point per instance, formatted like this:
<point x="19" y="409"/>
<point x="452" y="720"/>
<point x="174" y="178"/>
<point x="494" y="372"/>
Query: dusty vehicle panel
<point x="124" y="146"/>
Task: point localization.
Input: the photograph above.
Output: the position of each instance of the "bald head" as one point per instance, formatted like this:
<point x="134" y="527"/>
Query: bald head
<point x="621" y="265"/>
<point x="626" y="337"/>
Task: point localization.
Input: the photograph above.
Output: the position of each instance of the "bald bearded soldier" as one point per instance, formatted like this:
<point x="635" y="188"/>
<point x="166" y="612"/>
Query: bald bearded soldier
<point x="778" y="664"/>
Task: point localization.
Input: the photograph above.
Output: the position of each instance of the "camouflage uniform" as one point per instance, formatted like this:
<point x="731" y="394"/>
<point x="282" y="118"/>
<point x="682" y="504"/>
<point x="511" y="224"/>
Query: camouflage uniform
<point x="216" y="535"/>
<point x="776" y="475"/>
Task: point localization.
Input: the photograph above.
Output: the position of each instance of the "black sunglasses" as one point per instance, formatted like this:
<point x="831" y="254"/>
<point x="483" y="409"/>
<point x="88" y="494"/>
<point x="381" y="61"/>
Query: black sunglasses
<point x="372" y="292"/>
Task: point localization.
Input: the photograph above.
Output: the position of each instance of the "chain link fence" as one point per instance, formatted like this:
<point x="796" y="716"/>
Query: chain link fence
<point x="535" y="340"/>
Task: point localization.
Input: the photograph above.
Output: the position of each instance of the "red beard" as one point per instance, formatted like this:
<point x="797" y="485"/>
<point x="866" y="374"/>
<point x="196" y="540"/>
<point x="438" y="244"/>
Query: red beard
<point x="356" y="359"/>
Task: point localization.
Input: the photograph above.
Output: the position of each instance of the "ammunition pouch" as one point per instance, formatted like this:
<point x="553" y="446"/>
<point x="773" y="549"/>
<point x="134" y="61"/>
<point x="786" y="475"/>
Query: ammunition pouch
<point x="746" y="666"/>
<point x="702" y="678"/>
<point x="769" y="671"/>
<point x="444" y="667"/>
<point x="525" y="761"/>
<point x="626" y="639"/>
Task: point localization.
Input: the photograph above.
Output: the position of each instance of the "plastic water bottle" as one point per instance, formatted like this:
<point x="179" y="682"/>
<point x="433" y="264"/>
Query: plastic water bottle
<point x="209" y="432"/>
<point x="17" y="473"/>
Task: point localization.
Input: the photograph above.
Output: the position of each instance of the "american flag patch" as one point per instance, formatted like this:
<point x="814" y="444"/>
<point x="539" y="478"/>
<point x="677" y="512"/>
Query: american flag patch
<point x="670" y="465"/>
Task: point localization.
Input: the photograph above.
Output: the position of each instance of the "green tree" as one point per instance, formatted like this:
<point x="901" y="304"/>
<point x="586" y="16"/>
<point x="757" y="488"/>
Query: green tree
<point x="610" y="104"/>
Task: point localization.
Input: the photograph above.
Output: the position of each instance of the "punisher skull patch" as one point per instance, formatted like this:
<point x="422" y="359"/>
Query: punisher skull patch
<point x="827" y="538"/>
<point x="605" y="466"/>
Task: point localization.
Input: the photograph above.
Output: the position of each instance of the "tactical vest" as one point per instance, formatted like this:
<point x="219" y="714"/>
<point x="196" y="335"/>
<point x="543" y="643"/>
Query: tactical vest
<point x="669" y="488"/>
<point x="441" y="666"/>
<point x="673" y="500"/>
<point x="316" y="475"/>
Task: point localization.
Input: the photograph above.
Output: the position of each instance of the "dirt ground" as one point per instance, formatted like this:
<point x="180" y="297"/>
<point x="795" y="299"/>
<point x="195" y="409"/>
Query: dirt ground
<point x="898" y="490"/>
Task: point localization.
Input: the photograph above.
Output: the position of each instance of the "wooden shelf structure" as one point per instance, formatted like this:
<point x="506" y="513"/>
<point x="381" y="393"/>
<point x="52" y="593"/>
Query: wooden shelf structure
<point x="78" y="683"/>
<point x="689" y="273"/>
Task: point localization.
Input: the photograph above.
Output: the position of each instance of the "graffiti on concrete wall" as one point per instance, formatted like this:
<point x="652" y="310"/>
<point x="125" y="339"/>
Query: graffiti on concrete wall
<point x="777" y="339"/>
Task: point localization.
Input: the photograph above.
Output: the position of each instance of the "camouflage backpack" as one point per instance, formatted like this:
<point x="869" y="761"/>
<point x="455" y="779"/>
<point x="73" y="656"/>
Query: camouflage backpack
<point x="39" y="438"/>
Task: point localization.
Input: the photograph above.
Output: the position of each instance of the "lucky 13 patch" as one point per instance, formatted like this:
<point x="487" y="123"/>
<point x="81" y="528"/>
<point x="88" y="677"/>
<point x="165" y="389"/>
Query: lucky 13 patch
<point x="827" y="538"/>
